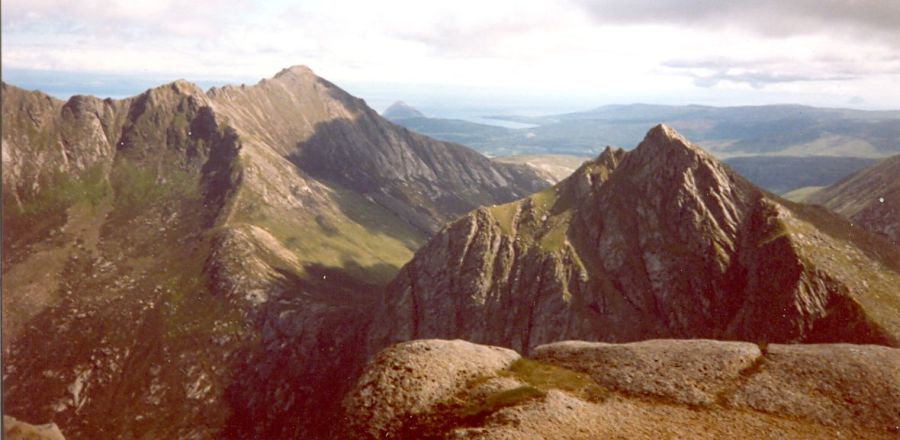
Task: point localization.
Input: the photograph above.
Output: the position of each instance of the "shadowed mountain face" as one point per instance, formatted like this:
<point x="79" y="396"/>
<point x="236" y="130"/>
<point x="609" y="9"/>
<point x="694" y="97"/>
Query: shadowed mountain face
<point x="869" y="198"/>
<point x="662" y="241"/>
<point x="184" y="264"/>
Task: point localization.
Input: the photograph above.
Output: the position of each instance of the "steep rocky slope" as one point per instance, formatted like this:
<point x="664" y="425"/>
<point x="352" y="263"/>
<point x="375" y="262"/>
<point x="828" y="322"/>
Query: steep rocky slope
<point x="869" y="198"/>
<point x="645" y="390"/>
<point x="339" y="140"/>
<point x="107" y="224"/>
<point x="662" y="241"/>
<point x="184" y="264"/>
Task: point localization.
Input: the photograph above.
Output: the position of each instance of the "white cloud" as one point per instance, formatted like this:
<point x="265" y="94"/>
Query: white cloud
<point x="685" y="50"/>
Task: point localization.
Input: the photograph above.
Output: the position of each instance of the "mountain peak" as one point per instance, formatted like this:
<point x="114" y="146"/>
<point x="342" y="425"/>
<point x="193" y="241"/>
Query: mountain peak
<point x="296" y="70"/>
<point x="178" y="87"/>
<point x="662" y="135"/>
<point x="610" y="156"/>
<point x="662" y="241"/>
<point x="402" y="110"/>
<point x="664" y="148"/>
<point x="665" y="133"/>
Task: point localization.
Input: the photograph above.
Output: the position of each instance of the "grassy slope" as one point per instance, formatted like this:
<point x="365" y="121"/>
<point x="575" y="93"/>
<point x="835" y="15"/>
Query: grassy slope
<point x="340" y="238"/>
<point x="867" y="264"/>
<point x="801" y="194"/>
<point x="541" y="219"/>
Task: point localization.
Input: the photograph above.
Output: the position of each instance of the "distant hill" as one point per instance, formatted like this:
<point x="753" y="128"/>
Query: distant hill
<point x="778" y="147"/>
<point x="779" y="174"/>
<point x="401" y="110"/>
<point x="471" y="134"/>
<point x="784" y="130"/>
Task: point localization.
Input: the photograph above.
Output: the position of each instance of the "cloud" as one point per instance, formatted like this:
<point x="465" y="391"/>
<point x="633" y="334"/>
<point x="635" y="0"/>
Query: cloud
<point x="759" y="79"/>
<point x="867" y="19"/>
<point x="123" y="18"/>
<point x="762" y="72"/>
<point x="628" y="49"/>
<point x="199" y="37"/>
<point x="475" y="28"/>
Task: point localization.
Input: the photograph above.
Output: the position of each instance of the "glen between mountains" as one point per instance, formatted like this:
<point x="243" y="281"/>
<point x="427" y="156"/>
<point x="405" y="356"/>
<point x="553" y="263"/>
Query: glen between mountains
<point x="183" y="263"/>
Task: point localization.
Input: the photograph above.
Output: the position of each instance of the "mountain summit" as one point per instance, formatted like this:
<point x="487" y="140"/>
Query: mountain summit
<point x="662" y="241"/>
<point x="296" y="70"/>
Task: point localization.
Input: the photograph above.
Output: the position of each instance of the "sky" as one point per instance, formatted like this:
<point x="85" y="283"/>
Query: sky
<point x="537" y="56"/>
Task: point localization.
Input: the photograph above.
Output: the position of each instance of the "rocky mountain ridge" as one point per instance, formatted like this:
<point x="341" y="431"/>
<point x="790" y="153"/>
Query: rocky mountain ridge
<point x="181" y="248"/>
<point x="661" y="241"/>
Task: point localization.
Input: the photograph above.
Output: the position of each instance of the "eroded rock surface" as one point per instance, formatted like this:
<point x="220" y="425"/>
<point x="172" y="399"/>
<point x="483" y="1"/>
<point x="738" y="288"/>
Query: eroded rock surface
<point x="410" y="378"/>
<point x="695" y="372"/>
<point x="654" y="389"/>
<point x="14" y="429"/>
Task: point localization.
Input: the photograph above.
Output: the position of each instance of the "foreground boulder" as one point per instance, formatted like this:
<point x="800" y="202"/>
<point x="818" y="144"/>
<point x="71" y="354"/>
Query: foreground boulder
<point x="411" y="378"/>
<point x="14" y="429"/>
<point x="650" y="389"/>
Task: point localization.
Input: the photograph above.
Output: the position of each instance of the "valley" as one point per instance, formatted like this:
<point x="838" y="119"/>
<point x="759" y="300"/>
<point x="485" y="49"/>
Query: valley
<point x="225" y="263"/>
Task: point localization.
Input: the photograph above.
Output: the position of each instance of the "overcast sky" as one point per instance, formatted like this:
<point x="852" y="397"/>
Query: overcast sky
<point x="721" y="52"/>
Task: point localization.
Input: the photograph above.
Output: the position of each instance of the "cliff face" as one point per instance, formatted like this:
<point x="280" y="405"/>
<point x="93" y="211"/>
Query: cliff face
<point x="188" y="264"/>
<point x="869" y="198"/>
<point x="645" y="390"/>
<point x="662" y="241"/>
<point x="339" y="139"/>
<point x="104" y="289"/>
